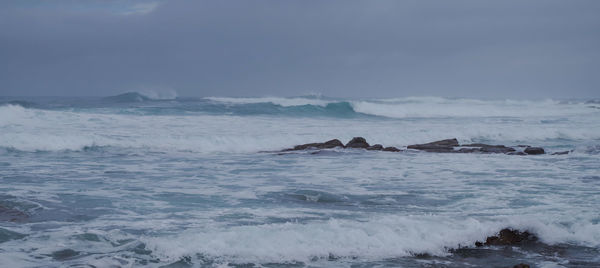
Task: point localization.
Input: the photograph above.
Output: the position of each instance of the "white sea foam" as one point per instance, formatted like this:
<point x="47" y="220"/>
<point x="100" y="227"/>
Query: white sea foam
<point x="419" y="107"/>
<point x="186" y="200"/>
<point x="373" y="239"/>
<point x="32" y="129"/>
<point x="439" y="107"/>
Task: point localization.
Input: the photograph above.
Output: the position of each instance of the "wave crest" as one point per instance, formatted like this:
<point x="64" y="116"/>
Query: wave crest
<point x="375" y="239"/>
<point x="284" y="102"/>
<point x="416" y="107"/>
<point x="230" y="129"/>
<point x="129" y="97"/>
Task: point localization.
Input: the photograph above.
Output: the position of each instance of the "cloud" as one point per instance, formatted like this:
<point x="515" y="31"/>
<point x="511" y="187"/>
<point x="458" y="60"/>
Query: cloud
<point x="339" y="48"/>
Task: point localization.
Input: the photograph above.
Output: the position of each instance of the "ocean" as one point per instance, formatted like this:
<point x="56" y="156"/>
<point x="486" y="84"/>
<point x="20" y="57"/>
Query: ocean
<point x="131" y="181"/>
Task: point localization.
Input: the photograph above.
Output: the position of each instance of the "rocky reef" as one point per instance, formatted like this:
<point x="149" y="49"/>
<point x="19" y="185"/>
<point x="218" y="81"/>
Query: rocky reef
<point x="441" y="146"/>
<point x="318" y="145"/>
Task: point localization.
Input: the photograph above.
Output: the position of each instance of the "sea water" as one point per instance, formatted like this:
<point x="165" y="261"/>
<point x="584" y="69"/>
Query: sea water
<point x="130" y="181"/>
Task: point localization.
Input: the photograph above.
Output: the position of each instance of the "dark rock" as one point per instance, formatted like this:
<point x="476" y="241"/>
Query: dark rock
<point x="305" y="146"/>
<point x="391" y="149"/>
<point x="333" y="143"/>
<point x="376" y="147"/>
<point x="324" y="145"/>
<point x="357" y="142"/>
<point x="442" y="146"/>
<point x="480" y="145"/>
<point x="486" y="148"/>
<point x="521" y="265"/>
<point x="436" y="146"/>
<point x="523" y="145"/>
<point x="12" y="215"/>
<point x="468" y="150"/>
<point x="497" y="149"/>
<point x="508" y="237"/>
<point x="534" y="150"/>
<point x="560" y="153"/>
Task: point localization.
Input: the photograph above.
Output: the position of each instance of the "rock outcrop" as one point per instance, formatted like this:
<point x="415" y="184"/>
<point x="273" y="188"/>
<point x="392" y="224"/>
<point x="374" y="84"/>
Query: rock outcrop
<point x="318" y="145"/>
<point x="486" y="148"/>
<point x="508" y="237"/>
<point x="534" y="150"/>
<point x="391" y="149"/>
<point x="357" y="142"/>
<point x="376" y="147"/>
<point x="452" y="146"/>
<point x="441" y="146"/>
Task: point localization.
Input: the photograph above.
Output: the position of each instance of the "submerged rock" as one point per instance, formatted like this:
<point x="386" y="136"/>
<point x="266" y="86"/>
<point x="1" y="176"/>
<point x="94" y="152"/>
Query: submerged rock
<point x="357" y="142"/>
<point x="560" y="153"/>
<point x="534" y="150"/>
<point x="436" y="146"/>
<point x="508" y="237"/>
<point x="521" y="265"/>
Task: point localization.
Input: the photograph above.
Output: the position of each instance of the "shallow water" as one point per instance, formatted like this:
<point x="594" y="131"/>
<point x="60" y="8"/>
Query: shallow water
<point x="131" y="181"/>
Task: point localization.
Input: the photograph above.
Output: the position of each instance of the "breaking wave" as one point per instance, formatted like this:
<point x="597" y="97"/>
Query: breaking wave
<point x="412" y="107"/>
<point x="262" y="124"/>
<point x="26" y="104"/>
<point x="284" y="102"/>
<point x="399" y="108"/>
<point x="374" y="239"/>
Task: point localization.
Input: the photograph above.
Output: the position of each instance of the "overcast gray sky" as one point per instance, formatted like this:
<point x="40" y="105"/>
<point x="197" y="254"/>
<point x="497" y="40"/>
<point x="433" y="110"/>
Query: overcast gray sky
<point x="482" y="49"/>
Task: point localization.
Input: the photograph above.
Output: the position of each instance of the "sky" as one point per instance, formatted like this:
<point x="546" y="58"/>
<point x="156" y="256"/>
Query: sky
<point x="354" y="49"/>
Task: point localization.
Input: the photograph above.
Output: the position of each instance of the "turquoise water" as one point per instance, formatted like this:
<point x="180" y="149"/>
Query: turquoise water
<point x="190" y="182"/>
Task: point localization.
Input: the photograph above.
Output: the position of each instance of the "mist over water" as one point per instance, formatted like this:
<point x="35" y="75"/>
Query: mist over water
<point x="137" y="180"/>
